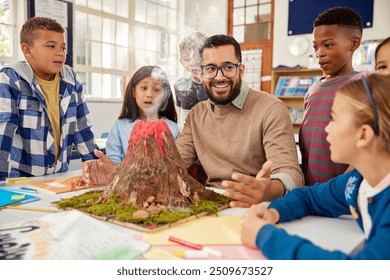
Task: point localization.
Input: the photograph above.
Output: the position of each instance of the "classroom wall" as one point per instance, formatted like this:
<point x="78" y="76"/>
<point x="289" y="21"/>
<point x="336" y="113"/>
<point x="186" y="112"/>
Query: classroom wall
<point x="209" y="17"/>
<point x="103" y="115"/>
<point x="21" y="12"/>
<point x="281" y="55"/>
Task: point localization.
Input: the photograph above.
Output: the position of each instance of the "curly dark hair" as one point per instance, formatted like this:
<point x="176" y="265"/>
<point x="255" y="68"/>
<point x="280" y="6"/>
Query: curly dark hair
<point x="29" y="33"/>
<point x="344" y="17"/>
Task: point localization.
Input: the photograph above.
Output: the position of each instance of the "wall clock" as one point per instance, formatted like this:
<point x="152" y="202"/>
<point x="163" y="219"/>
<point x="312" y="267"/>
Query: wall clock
<point x="298" y="45"/>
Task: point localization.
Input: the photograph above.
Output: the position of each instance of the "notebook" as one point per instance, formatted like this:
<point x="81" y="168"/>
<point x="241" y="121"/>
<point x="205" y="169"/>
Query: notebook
<point x="61" y="185"/>
<point x="8" y="197"/>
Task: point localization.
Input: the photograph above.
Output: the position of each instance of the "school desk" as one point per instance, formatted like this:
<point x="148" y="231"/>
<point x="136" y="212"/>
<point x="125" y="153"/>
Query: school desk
<point x="342" y="234"/>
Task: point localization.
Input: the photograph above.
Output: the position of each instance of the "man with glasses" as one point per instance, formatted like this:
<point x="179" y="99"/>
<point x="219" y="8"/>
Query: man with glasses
<point x="239" y="131"/>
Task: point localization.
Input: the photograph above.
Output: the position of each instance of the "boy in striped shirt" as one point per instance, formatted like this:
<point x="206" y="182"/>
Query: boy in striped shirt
<point x="337" y="34"/>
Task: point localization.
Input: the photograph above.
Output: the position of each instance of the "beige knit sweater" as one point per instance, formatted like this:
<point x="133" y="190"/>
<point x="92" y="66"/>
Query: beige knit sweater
<point x="240" y="137"/>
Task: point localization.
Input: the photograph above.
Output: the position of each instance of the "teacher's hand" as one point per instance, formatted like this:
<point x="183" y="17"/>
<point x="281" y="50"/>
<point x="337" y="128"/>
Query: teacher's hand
<point x="247" y="190"/>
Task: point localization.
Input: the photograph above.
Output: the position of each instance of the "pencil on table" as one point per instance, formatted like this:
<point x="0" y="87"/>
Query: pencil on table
<point x="31" y="209"/>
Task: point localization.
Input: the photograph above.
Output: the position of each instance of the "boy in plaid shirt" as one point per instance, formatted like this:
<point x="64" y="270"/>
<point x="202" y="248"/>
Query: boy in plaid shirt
<point x="42" y="108"/>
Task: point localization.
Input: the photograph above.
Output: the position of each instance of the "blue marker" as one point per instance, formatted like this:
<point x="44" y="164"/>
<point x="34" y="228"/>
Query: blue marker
<point x="28" y="189"/>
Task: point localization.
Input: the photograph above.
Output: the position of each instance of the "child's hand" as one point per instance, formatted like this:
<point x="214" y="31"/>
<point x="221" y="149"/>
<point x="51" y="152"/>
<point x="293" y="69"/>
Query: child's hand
<point x="255" y="218"/>
<point x="95" y="172"/>
<point x="271" y="215"/>
<point x="78" y="182"/>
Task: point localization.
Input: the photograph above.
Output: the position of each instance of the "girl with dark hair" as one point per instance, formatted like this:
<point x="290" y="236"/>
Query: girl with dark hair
<point x="148" y="96"/>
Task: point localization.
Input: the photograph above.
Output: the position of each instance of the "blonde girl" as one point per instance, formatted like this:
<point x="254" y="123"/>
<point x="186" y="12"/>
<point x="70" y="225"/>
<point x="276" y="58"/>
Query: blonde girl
<point x="359" y="135"/>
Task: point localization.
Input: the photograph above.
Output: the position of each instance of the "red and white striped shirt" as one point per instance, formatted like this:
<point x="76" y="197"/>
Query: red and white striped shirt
<point x="317" y="166"/>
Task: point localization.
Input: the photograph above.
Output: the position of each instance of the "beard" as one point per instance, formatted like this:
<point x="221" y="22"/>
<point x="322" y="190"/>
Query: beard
<point x="224" y="99"/>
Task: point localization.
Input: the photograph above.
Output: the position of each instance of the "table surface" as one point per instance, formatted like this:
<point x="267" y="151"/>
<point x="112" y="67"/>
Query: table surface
<point x="342" y="234"/>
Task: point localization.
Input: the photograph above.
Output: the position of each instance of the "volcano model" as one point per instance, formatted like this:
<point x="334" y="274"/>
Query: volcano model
<point x="153" y="171"/>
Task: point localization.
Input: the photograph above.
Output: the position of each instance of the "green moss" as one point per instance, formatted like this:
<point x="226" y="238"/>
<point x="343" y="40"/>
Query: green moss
<point x="167" y="217"/>
<point x="124" y="213"/>
<point x="103" y="209"/>
<point x="80" y="201"/>
<point x="205" y="206"/>
<point x="220" y="199"/>
<point x="128" y="217"/>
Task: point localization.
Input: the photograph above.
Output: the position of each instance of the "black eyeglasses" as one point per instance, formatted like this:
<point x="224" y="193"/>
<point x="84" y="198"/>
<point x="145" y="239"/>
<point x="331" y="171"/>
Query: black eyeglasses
<point x="373" y="106"/>
<point x="228" y="70"/>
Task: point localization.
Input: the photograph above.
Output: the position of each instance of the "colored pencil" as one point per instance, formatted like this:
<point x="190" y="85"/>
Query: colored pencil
<point x="195" y="246"/>
<point x="30" y="209"/>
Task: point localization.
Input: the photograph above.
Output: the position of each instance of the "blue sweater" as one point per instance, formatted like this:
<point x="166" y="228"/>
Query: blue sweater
<point x="332" y="199"/>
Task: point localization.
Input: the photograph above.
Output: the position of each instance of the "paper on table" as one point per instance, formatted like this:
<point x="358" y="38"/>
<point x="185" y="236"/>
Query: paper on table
<point x="70" y="235"/>
<point x="60" y="185"/>
<point x="8" y="197"/>
<point x="322" y="231"/>
<point x="19" y="180"/>
<point x="155" y="253"/>
<point x="208" y="230"/>
<point x="18" y="197"/>
<point x="229" y="252"/>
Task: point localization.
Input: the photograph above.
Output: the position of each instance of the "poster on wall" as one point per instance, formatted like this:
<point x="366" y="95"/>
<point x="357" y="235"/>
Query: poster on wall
<point x="301" y="13"/>
<point x="52" y="9"/>
<point x="364" y="57"/>
<point x="252" y="60"/>
<point x="61" y="11"/>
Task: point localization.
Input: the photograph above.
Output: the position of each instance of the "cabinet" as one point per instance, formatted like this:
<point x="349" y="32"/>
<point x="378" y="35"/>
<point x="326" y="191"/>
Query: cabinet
<point x="290" y="86"/>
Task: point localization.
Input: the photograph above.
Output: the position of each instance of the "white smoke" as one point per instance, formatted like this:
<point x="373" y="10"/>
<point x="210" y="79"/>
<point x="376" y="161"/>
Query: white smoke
<point x="161" y="101"/>
<point x="190" y="59"/>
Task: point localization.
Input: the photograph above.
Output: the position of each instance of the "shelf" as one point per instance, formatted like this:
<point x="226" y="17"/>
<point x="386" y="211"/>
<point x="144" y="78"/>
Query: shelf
<point x="294" y="82"/>
<point x="304" y="73"/>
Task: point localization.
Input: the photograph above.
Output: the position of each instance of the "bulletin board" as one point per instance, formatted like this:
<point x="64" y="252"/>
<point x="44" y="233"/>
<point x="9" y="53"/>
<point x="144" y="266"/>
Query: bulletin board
<point x="301" y="13"/>
<point x="61" y="11"/>
<point x="252" y="60"/>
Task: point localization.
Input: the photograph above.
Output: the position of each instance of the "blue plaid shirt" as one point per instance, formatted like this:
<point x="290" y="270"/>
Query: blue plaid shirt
<point x="27" y="146"/>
